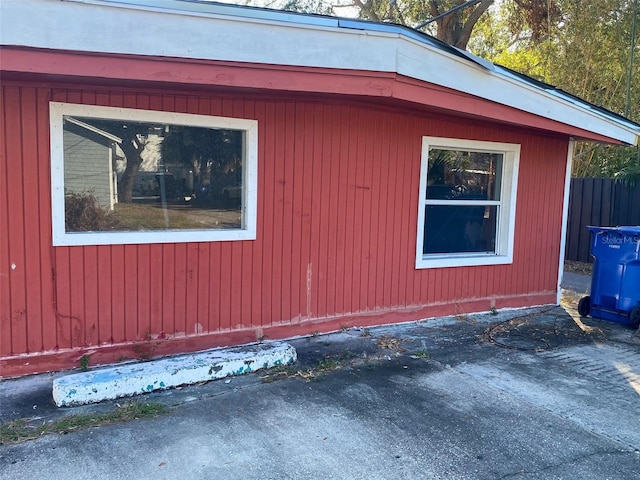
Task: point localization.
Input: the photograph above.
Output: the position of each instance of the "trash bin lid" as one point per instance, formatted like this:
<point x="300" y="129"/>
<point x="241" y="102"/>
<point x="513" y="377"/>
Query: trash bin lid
<point x="621" y="229"/>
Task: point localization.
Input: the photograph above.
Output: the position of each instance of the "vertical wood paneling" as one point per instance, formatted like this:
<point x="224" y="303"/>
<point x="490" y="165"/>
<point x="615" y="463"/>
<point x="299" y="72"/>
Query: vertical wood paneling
<point x="168" y="288"/>
<point x="131" y="299"/>
<point x="44" y="282"/>
<point x="255" y="316"/>
<point x="180" y="287"/>
<point x="90" y="281"/>
<point x="305" y="268"/>
<point x="156" y="315"/>
<point x="357" y="185"/>
<point x="337" y="189"/>
<point x="105" y="323"/>
<point x="191" y="288"/>
<point x="331" y="208"/>
<point x="298" y="160"/>
<point x="268" y="211"/>
<point x="223" y="293"/>
<point x="402" y="212"/>
<point x="412" y="157"/>
<point x="540" y="222"/>
<point x="315" y="267"/>
<point x="388" y="220"/>
<point x="62" y="298"/>
<point x="17" y="275"/>
<point x="371" y="195"/>
<point x="377" y="220"/>
<point x="275" y="132"/>
<point x="322" y="210"/>
<point x="5" y="262"/>
<point x="144" y="282"/>
<point x="214" y="289"/>
<point x="344" y="168"/>
<point x="33" y="308"/>
<point x="245" y="109"/>
<point x="118" y="293"/>
<point x="533" y="222"/>
<point x="286" y="225"/>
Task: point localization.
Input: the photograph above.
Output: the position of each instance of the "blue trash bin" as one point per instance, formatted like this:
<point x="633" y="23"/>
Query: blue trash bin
<point x="615" y="283"/>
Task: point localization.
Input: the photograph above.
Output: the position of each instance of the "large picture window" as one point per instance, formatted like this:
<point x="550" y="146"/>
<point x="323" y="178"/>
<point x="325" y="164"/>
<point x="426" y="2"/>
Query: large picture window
<point x="124" y="176"/>
<point x="466" y="211"/>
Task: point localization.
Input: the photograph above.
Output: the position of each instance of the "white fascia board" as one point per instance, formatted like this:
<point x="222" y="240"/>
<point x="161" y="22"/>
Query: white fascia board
<point x="472" y="79"/>
<point x="168" y="28"/>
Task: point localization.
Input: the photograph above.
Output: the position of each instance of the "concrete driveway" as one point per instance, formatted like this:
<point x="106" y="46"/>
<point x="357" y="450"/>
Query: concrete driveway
<point x="577" y="282"/>
<point x="527" y="394"/>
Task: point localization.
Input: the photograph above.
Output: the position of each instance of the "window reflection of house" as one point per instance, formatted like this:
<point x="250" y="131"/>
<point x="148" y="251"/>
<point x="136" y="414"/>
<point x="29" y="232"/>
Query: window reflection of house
<point x="89" y="161"/>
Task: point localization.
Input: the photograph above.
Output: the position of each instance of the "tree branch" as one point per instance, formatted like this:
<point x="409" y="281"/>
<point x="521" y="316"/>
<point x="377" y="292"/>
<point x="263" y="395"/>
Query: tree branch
<point x="367" y="9"/>
<point x="467" y="29"/>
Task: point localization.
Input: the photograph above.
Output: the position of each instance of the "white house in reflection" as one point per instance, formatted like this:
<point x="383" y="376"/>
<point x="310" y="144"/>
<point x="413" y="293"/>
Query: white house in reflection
<point x="89" y="162"/>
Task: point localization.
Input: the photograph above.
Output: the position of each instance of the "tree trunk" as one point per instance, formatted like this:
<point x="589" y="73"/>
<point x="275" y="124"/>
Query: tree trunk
<point x="132" y="150"/>
<point x="125" y="185"/>
<point x="451" y="28"/>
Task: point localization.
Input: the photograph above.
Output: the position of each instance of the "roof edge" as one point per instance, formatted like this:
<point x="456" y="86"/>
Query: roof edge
<point x="266" y="38"/>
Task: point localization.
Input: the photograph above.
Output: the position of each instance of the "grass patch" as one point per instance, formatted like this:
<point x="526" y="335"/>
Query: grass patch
<point x="135" y="216"/>
<point x="21" y="430"/>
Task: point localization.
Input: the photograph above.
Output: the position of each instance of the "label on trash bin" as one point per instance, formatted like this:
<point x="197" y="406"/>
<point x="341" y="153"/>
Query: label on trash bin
<point x="616" y="239"/>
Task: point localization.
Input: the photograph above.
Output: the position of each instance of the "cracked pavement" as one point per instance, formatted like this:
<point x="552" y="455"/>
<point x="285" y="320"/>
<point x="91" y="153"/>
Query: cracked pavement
<point x="526" y="394"/>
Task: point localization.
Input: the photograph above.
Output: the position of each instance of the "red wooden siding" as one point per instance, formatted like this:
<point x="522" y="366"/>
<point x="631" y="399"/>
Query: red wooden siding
<point x="337" y="210"/>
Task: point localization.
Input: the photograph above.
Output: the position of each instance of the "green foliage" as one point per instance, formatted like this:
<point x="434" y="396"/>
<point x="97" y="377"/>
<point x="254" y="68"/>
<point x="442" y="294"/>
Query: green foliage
<point x="586" y="52"/>
<point x="609" y="161"/>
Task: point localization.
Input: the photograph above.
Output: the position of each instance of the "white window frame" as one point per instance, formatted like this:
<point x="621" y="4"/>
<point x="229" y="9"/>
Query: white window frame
<point x="505" y="229"/>
<point x="247" y="230"/>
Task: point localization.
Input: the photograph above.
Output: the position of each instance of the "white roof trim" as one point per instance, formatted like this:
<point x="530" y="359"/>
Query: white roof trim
<point x="91" y="128"/>
<point x="157" y="28"/>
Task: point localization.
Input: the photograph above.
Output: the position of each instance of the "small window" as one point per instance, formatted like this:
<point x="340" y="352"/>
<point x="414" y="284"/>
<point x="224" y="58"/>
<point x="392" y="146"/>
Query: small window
<point x="122" y="176"/>
<point x="467" y="203"/>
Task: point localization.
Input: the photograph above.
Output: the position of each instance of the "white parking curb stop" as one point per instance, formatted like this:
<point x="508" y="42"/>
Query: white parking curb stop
<point x="134" y="379"/>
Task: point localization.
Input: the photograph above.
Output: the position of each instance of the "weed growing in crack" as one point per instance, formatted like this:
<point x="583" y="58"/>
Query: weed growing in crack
<point x="422" y="354"/>
<point x="22" y="429"/>
<point x="84" y="363"/>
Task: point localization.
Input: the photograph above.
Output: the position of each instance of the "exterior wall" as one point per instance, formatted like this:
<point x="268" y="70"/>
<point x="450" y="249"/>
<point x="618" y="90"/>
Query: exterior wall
<point x="337" y="212"/>
<point x="88" y="169"/>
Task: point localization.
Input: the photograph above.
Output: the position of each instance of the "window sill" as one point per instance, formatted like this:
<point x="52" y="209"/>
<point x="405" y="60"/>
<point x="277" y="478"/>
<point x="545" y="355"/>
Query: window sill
<point x="443" y="261"/>
<point x="61" y="239"/>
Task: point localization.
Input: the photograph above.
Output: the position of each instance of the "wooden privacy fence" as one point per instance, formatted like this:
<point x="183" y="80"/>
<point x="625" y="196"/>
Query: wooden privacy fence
<point x="602" y="202"/>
